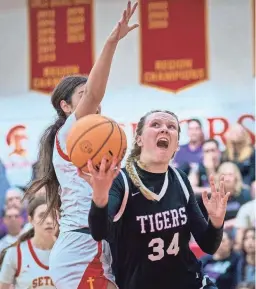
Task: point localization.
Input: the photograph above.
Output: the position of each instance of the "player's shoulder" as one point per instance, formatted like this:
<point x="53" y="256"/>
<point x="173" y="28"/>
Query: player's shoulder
<point x="63" y="131"/>
<point x="123" y="181"/>
<point x="174" y="170"/>
<point x="183" y="181"/>
<point x="122" y="177"/>
<point x="11" y="253"/>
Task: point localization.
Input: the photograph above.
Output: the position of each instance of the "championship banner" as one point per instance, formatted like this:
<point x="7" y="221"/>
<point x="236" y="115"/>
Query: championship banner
<point x="173" y="35"/>
<point x="61" y="41"/>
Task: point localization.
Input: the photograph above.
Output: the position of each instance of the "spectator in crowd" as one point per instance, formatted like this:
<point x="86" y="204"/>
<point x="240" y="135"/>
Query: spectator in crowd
<point x="221" y="266"/>
<point x="13" y="200"/>
<point x="245" y="218"/>
<point x="191" y="152"/>
<point x="4" y="185"/>
<point x="13" y="222"/>
<point x="198" y="174"/>
<point x="239" y="195"/>
<point x="246" y="265"/>
<point x="239" y="149"/>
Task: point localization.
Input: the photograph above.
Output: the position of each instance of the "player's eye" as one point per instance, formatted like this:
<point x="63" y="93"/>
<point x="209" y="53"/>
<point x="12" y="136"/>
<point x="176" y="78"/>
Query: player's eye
<point x="172" y="126"/>
<point x="155" y="124"/>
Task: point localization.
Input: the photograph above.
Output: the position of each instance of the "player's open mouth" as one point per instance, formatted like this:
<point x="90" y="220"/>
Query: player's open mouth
<point x="49" y="229"/>
<point x="162" y="143"/>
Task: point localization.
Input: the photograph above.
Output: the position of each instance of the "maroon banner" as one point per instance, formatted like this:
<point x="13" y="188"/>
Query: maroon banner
<point x="173" y="46"/>
<point x="61" y="41"/>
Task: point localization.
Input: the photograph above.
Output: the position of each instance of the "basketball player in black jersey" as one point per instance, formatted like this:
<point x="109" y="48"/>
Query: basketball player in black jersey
<point x="149" y="212"/>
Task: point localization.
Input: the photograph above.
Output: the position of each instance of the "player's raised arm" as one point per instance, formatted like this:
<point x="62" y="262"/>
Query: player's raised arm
<point x="97" y="80"/>
<point x="208" y="235"/>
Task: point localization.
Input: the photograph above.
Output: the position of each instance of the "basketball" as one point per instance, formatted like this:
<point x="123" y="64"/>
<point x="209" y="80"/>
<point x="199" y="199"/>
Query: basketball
<point x="93" y="137"/>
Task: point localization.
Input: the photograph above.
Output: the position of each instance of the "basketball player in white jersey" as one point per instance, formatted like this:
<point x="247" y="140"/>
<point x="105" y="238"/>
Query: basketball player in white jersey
<point x="77" y="261"/>
<point x="25" y="264"/>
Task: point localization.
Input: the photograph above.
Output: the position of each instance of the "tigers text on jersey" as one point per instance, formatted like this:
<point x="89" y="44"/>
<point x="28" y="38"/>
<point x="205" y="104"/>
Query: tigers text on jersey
<point x="75" y="193"/>
<point x="150" y="240"/>
<point x="26" y="267"/>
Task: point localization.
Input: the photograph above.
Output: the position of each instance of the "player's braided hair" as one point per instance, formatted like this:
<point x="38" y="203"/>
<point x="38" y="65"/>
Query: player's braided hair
<point x="135" y="154"/>
<point x="32" y="205"/>
<point x="46" y="176"/>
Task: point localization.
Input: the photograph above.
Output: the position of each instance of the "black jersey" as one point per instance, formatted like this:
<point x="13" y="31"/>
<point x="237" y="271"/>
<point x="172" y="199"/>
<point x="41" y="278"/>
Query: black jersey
<point x="150" y="242"/>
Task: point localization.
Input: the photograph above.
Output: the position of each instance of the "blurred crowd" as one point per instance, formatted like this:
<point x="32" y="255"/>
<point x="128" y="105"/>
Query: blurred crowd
<point x="233" y="265"/>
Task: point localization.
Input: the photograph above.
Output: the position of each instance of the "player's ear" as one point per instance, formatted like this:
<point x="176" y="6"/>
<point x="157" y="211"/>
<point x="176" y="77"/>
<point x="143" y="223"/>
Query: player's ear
<point x="65" y="107"/>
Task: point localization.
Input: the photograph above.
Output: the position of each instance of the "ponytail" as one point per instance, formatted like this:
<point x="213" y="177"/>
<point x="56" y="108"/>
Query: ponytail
<point x="46" y="176"/>
<point x="24" y="237"/>
<point x="131" y="170"/>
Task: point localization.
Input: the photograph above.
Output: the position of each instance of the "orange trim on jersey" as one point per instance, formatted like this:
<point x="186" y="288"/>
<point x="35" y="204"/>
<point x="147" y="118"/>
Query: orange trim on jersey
<point x="60" y="151"/>
<point x="33" y="253"/>
<point x="94" y="274"/>
<point x="19" y="257"/>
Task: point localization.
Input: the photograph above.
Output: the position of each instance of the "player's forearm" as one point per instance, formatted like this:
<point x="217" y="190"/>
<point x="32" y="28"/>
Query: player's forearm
<point x="209" y="239"/>
<point x="99" y="74"/>
<point x="97" y="81"/>
<point x="98" y="222"/>
<point x="104" y="208"/>
<point x="207" y="236"/>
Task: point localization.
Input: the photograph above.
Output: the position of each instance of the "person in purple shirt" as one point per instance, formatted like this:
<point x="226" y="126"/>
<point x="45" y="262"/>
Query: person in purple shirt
<point x="12" y="200"/>
<point x="4" y="185"/>
<point x="191" y="152"/>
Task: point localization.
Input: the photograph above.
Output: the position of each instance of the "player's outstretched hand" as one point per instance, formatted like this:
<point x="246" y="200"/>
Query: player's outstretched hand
<point x="101" y="180"/>
<point x="123" y="27"/>
<point x="217" y="204"/>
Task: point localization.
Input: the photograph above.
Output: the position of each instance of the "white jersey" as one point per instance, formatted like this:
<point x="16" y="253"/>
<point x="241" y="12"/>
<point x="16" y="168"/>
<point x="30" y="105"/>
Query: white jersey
<point x="7" y="241"/>
<point x="26" y="267"/>
<point x="75" y="194"/>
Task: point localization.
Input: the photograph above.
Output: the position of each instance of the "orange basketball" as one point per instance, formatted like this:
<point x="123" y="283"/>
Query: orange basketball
<point x="93" y="137"/>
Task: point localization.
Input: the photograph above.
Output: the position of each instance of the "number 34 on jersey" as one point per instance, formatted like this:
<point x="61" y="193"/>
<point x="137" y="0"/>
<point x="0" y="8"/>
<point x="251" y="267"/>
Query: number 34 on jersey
<point x="157" y="245"/>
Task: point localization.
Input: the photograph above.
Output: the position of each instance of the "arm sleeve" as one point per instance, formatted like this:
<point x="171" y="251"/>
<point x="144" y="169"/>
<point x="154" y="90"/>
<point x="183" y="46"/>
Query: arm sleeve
<point x="206" y="235"/>
<point x="9" y="266"/>
<point x="101" y="219"/>
<point x="63" y="132"/>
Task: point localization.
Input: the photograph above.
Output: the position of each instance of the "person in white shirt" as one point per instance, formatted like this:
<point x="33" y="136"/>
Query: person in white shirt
<point x="25" y="264"/>
<point x="245" y="218"/>
<point x="77" y="261"/>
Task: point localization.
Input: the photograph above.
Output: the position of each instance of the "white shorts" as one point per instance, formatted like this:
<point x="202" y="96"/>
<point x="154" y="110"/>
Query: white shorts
<point x="79" y="262"/>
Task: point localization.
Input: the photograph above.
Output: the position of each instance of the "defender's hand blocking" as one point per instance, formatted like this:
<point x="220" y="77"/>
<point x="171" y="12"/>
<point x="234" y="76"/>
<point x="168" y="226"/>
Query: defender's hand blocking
<point x="101" y="181"/>
<point x="217" y="204"/>
<point x="123" y="28"/>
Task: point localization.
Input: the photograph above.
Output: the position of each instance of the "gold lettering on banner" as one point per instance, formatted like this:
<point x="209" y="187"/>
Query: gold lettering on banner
<point x="46" y="36"/>
<point x="39" y="3"/>
<point x="59" y="71"/>
<point x="75" y="25"/>
<point x="52" y="76"/>
<point x="59" y="3"/>
<point x="158" y="15"/>
<point x="173" y="70"/>
<point x="81" y="2"/>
